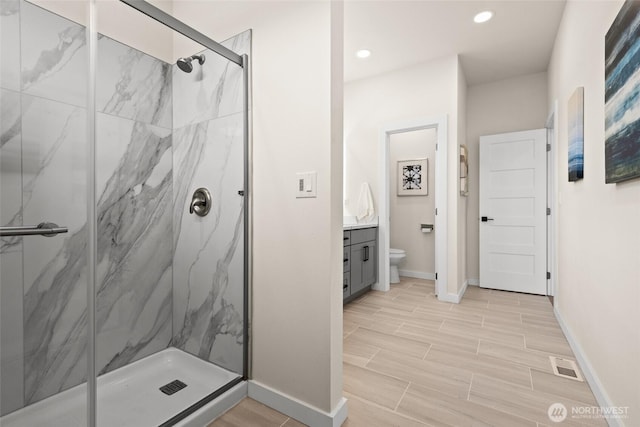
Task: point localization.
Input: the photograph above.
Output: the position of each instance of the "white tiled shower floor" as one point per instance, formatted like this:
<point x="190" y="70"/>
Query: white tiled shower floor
<point x="129" y="396"/>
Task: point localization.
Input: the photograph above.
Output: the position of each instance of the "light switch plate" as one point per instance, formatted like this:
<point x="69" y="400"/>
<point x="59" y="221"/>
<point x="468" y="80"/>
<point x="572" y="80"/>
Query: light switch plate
<point x="306" y="184"/>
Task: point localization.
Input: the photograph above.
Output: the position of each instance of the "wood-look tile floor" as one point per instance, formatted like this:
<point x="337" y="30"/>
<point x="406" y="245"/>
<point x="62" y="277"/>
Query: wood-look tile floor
<point x="411" y="360"/>
<point x="249" y="413"/>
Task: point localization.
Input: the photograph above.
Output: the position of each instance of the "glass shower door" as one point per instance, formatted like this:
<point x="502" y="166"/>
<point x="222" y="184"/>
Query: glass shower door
<point x="170" y="287"/>
<point x="43" y="214"/>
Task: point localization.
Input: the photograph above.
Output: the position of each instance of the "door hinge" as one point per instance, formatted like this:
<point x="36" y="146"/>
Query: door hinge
<point x="548" y="275"/>
<point x="548" y="147"/>
<point x="436" y="211"/>
<point x="548" y="211"/>
<point x="436" y="276"/>
<point x="436" y="147"/>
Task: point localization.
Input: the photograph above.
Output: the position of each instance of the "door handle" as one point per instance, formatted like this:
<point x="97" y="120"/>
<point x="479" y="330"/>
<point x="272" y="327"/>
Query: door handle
<point x="485" y="219"/>
<point x="365" y="253"/>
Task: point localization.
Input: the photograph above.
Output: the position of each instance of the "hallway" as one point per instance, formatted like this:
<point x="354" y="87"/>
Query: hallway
<point x="410" y="360"/>
<point x="482" y="362"/>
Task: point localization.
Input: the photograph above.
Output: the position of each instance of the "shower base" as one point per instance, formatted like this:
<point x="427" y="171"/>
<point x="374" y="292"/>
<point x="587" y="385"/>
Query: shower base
<point x="130" y="396"/>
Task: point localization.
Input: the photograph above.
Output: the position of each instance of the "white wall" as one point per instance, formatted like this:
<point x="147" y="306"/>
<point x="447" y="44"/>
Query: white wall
<point x="122" y="23"/>
<point x="598" y="294"/>
<point x="508" y="105"/>
<point x="461" y="200"/>
<point x="336" y="203"/>
<point x="297" y="249"/>
<point x="424" y="90"/>
<point x="421" y="91"/>
<point x="408" y="212"/>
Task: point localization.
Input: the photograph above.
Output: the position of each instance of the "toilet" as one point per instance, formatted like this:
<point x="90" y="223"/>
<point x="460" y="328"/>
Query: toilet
<point x="395" y="257"/>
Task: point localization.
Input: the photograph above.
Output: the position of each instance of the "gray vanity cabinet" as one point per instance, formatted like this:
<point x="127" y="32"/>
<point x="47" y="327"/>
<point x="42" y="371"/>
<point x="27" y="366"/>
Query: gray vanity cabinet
<point x="360" y="261"/>
<point x="363" y="268"/>
<point x="346" y="268"/>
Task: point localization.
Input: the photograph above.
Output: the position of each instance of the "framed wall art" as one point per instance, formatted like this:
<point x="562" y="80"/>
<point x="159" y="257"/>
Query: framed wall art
<point x="576" y="135"/>
<point x="413" y="177"/>
<point x="622" y="89"/>
<point x="464" y="170"/>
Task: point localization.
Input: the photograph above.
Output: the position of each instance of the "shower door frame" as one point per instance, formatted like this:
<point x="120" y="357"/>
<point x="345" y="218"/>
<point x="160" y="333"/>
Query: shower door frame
<point x="243" y="62"/>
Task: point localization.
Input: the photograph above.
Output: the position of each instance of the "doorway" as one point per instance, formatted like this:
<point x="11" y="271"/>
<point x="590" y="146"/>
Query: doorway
<point x="439" y="124"/>
<point x="412" y="203"/>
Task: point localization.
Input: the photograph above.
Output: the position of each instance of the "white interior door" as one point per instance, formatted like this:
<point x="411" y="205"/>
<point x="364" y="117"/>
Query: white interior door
<point x="513" y="214"/>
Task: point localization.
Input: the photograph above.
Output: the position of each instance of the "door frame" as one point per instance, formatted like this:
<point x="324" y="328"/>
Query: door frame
<point x="439" y="123"/>
<point x="552" y="200"/>
<point x="547" y="192"/>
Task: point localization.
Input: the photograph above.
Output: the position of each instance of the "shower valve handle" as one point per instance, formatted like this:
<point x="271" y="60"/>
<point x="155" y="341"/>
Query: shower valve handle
<point x="196" y="204"/>
<point x="200" y="202"/>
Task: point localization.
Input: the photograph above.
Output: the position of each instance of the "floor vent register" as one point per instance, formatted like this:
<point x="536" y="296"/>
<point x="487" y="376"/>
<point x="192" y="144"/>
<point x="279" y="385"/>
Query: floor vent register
<point x="565" y="368"/>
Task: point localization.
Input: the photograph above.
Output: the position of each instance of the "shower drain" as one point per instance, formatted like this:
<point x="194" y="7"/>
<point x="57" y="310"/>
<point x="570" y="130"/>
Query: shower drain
<point x="173" y="387"/>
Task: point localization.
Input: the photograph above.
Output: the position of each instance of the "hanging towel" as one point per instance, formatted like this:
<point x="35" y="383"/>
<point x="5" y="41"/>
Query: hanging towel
<point x="365" y="204"/>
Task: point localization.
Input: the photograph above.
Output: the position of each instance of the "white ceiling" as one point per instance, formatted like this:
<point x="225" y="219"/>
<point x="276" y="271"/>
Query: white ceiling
<point x="518" y="40"/>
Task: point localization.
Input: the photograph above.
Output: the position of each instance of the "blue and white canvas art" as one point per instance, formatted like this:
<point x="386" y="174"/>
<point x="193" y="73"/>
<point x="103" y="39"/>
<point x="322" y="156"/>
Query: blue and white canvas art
<point x="576" y="135"/>
<point x="622" y="90"/>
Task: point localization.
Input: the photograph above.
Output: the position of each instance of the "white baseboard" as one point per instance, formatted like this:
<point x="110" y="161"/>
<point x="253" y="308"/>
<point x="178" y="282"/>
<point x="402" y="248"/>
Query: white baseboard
<point x="216" y="408"/>
<point x="590" y="374"/>
<point x="455" y="298"/>
<point x="474" y="282"/>
<point x="417" y="274"/>
<point x="296" y="409"/>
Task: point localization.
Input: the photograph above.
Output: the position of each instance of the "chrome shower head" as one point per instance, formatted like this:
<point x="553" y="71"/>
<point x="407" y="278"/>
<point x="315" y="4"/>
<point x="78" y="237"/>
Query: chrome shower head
<point x="185" y="64"/>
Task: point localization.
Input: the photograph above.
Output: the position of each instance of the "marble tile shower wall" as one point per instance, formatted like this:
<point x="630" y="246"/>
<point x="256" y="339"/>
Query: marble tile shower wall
<point x="43" y="175"/>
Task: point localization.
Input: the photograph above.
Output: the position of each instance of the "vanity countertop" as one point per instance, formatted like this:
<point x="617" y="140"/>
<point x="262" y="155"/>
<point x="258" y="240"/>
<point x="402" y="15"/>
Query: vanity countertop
<point x="358" y="226"/>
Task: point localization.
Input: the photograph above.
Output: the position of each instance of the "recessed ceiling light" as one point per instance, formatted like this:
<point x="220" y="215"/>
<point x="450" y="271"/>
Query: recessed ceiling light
<point x="483" y="17"/>
<point x="363" y="53"/>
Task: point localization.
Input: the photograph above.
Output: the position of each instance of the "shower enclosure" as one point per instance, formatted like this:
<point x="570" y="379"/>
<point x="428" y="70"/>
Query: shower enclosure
<point x="124" y="221"/>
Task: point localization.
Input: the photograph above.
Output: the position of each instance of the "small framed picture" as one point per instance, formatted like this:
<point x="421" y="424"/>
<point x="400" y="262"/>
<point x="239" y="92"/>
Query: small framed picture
<point x="413" y="177"/>
<point x="464" y="170"/>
